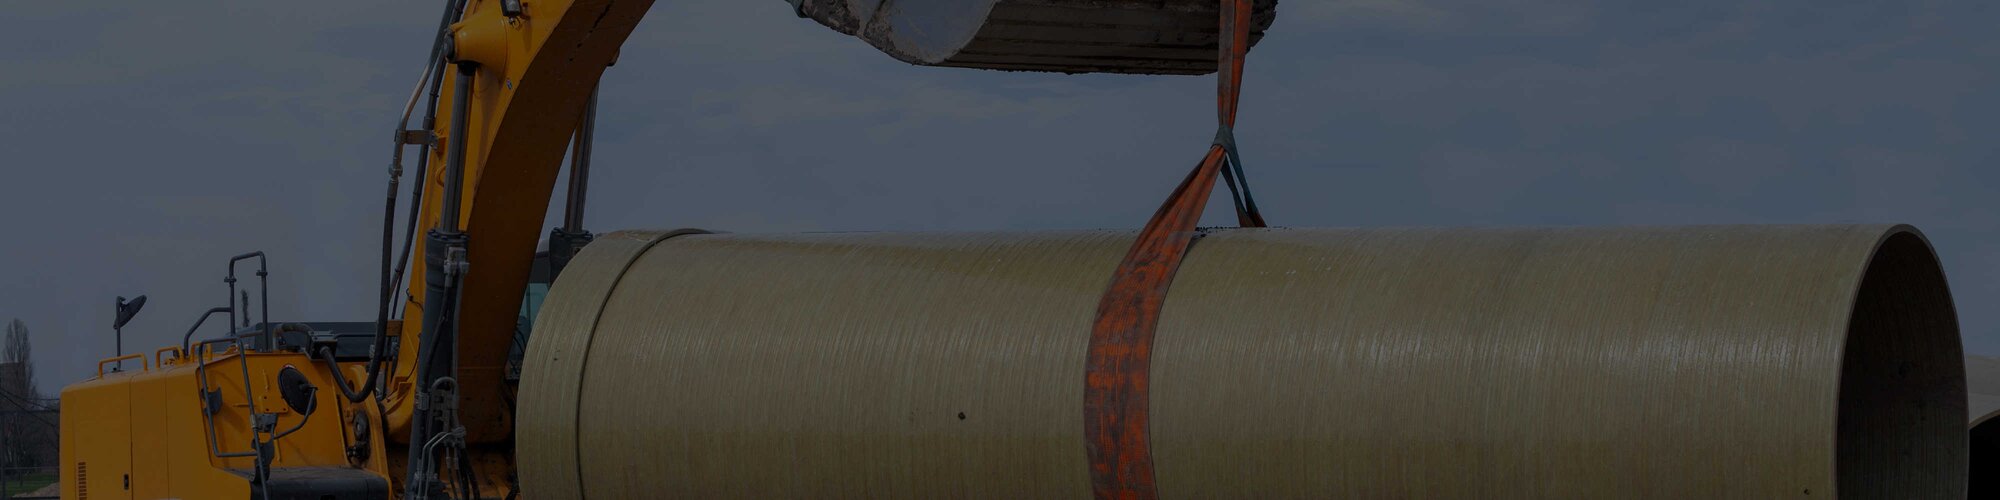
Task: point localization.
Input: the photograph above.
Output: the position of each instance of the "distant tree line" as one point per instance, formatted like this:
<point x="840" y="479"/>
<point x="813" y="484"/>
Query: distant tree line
<point x="28" y="436"/>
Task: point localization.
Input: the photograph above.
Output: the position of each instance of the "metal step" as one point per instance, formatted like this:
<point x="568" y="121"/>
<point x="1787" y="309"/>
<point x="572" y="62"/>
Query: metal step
<point x="1068" y="36"/>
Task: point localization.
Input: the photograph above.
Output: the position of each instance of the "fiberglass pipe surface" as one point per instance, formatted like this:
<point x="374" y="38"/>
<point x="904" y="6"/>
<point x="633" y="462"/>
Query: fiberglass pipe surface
<point x="1692" y="362"/>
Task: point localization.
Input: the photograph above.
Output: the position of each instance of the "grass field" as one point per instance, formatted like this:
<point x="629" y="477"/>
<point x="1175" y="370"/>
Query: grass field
<point x="25" y="483"/>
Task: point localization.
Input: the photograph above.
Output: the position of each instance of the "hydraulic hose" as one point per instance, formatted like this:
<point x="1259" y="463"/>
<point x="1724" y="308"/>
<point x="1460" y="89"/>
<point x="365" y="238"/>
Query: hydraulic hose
<point x="390" y="279"/>
<point x="423" y="161"/>
<point x="340" y="379"/>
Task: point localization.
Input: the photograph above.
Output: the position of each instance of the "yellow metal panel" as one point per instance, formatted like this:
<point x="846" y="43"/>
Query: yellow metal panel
<point x="316" y="444"/>
<point x="193" y="472"/>
<point x="96" y="462"/>
<point x="152" y="435"/>
<point x="149" y="424"/>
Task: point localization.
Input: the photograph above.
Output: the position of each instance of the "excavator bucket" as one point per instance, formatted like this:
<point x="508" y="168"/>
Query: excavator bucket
<point x="1161" y="37"/>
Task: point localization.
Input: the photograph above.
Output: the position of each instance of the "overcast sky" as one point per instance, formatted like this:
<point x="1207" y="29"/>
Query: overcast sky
<point x="145" y="142"/>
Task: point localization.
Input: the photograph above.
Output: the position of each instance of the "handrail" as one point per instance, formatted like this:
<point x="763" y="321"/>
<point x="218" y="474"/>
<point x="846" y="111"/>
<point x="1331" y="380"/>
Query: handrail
<point x="203" y="354"/>
<point x="201" y="375"/>
<point x="185" y="339"/>
<point x="141" y="357"/>
<point x="161" y="362"/>
<point x="263" y="291"/>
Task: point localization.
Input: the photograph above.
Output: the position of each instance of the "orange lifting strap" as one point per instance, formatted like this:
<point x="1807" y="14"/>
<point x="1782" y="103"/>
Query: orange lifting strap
<point x="1121" y="340"/>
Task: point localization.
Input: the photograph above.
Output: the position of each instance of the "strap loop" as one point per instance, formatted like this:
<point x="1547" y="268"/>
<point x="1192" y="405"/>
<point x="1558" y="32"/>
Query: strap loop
<point x="1247" y="214"/>
<point x="1118" y="363"/>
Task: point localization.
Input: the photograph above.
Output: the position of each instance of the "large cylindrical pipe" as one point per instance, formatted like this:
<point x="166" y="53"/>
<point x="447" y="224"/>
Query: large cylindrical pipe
<point x="1700" y="362"/>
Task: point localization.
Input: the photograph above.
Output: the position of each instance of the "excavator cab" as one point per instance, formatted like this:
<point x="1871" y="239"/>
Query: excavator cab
<point x="539" y="277"/>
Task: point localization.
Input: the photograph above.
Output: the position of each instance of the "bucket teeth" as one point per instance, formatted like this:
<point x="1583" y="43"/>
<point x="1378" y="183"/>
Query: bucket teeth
<point x="1066" y="36"/>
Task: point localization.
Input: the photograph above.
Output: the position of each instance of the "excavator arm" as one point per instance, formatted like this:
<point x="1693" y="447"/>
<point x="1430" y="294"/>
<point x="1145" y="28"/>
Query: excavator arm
<point x="528" y="78"/>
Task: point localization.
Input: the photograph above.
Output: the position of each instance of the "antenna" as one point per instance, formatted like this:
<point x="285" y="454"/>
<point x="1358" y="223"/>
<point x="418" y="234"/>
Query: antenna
<point x="126" y="310"/>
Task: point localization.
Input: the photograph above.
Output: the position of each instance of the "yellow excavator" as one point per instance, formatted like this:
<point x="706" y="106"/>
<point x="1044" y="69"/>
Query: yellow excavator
<point x="421" y="402"/>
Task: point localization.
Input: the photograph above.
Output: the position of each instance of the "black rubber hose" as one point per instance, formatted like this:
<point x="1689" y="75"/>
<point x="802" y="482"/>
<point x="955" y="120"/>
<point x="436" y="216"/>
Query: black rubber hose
<point x="378" y="348"/>
<point x="300" y="328"/>
<point x="339" y="379"/>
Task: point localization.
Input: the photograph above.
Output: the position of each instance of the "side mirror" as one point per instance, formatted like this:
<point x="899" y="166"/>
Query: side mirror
<point x="126" y="310"/>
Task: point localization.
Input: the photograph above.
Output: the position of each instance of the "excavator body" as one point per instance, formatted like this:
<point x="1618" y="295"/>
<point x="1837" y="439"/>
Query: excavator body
<point x="176" y="427"/>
